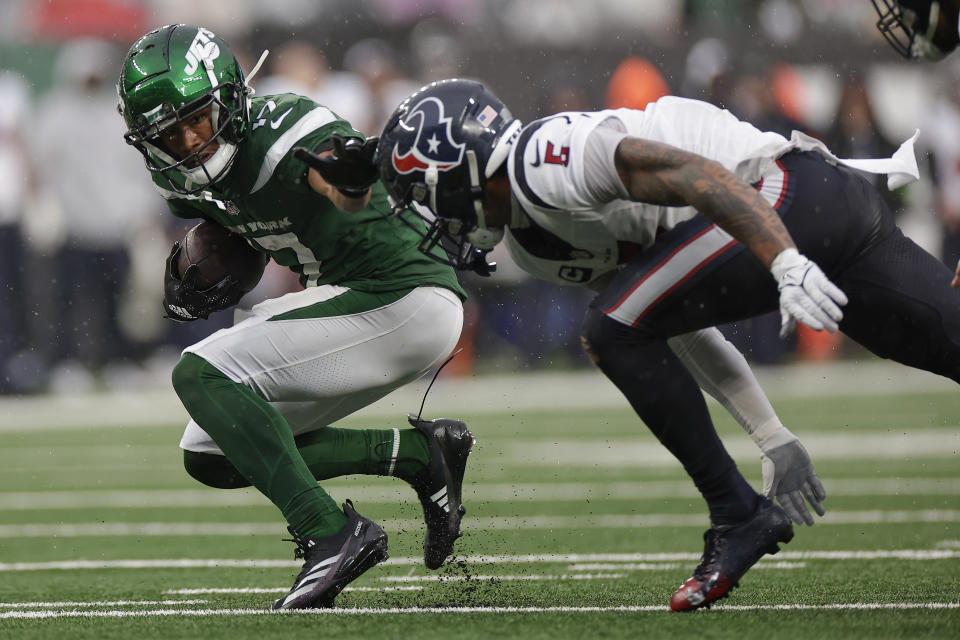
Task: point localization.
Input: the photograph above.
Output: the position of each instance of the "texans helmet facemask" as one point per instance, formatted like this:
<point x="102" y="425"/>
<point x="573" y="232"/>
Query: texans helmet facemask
<point x="910" y="26"/>
<point x="437" y="151"/>
<point x="171" y="74"/>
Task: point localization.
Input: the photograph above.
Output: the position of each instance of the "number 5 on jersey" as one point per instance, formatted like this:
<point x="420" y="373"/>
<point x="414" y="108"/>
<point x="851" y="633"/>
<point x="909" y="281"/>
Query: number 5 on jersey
<point x="561" y="158"/>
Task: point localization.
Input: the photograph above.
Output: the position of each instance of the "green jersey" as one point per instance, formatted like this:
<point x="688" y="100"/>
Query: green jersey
<point x="265" y="198"/>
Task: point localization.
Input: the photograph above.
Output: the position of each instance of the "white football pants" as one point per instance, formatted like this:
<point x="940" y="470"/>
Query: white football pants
<point x="316" y="371"/>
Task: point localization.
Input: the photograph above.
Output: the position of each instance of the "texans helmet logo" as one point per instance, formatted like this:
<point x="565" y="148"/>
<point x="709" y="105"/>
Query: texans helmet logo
<point x="425" y="140"/>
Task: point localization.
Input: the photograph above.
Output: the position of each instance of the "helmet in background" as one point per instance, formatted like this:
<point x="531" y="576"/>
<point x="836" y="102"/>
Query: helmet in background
<point x="910" y="26"/>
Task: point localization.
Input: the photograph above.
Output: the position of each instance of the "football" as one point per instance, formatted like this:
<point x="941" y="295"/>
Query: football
<point x="218" y="253"/>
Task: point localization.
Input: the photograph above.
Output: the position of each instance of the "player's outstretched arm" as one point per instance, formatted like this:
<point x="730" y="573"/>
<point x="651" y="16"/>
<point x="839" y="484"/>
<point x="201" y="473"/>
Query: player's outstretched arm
<point x="340" y="200"/>
<point x="342" y="169"/>
<point x="662" y="174"/>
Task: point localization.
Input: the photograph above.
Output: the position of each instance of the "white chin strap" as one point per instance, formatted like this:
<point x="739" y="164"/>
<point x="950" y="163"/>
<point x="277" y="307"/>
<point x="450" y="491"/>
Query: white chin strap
<point x="215" y="166"/>
<point x="431" y="177"/>
<point x="473" y="168"/>
<point x="256" y="67"/>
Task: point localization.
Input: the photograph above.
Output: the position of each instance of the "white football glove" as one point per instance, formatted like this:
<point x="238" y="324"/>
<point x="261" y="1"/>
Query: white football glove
<point x="806" y="294"/>
<point x="788" y="474"/>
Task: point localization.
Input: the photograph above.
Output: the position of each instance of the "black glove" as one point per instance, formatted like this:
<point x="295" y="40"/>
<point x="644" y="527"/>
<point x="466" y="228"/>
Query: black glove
<point x="181" y="299"/>
<point x="350" y="168"/>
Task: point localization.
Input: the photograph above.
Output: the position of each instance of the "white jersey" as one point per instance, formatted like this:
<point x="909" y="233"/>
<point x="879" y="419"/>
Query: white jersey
<point x="573" y="222"/>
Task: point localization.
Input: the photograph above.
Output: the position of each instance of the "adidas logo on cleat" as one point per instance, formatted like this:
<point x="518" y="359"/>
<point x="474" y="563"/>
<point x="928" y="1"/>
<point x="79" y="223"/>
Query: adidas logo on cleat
<point x="440" y="497"/>
<point x="332" y="562"/>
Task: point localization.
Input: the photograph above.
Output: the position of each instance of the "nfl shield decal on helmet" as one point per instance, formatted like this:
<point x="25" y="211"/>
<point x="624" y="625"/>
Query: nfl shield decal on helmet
<point x="426" y="140"/>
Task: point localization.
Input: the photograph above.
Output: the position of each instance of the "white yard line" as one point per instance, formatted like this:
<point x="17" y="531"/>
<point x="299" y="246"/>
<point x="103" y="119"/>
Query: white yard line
<point x="585" y="521"/>
<point x="532" y="577"/>
<point x="107" y="603"/>
<point x="859" y="606"/>
<point x="548" y="558"/>
<point x="626" y="566"/>
<point x="390" y="493"/>
<point x="875" y="554"/>
<point x="210" y="590"/>
<point x="669" y="566"/>
<point x="176" y="563"/>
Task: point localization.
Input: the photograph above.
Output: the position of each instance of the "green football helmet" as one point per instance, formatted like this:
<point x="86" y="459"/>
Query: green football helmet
<point x="170" y="74"/>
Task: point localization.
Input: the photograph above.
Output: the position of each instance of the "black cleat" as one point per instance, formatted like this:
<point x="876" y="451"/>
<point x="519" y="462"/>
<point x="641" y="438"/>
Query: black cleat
<point x="440" y="485"/>
<point x="729" y="552"/>
<point x="333" y="562"/>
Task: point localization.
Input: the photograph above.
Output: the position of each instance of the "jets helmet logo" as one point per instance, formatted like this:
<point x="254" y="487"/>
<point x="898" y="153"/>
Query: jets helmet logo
<point x="425" y="140"/>
<point x="202" y="47"/>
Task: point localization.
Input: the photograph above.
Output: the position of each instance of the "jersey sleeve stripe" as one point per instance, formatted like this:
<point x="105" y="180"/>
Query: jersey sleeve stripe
<point x="692" y="255"/>
<point x="311" y="121"/>
<point x="519" y="172"/>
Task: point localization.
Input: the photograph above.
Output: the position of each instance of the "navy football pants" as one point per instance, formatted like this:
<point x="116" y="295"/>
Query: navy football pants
<point x="695" y="276"/>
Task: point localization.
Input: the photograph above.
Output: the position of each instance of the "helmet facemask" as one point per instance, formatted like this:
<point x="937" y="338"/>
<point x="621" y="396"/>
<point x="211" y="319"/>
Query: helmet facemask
<point x="198" y="171"/>
<point x="448" y="233"/>
<point x="461" y="233"/>
<point x="910" y="30"/>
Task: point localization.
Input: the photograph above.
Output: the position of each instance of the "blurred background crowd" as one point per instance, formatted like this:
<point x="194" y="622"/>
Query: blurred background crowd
<point x="83" y="235"/>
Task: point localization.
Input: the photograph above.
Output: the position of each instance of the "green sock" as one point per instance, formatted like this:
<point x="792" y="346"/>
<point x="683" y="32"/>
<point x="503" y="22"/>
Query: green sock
<point x="332" y="452"/>
<point x="413" y="455"/>
<point x="257" y="440"/>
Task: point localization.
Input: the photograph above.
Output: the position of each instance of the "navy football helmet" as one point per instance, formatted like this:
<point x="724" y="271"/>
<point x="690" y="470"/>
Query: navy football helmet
<point x="437" y="151"/>
<point x="911" y="27"/>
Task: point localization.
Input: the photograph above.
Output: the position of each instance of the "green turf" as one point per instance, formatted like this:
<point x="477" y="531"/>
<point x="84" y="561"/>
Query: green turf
<point x="53" y="481"/>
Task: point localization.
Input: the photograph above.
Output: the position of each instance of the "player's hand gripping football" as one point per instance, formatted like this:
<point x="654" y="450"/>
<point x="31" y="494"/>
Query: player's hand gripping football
<point x="806" y="294"/>
<point x="181" y="299"/>
<point x="788" y="475"/>
<point x="350" y="168"/>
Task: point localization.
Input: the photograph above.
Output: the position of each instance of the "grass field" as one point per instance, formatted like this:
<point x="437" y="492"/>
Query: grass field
<point x="579" y="526"/>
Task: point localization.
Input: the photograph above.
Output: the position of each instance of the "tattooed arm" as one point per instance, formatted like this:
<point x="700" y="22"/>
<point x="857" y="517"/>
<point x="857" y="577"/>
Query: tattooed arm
<point x="661" y="174"/>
